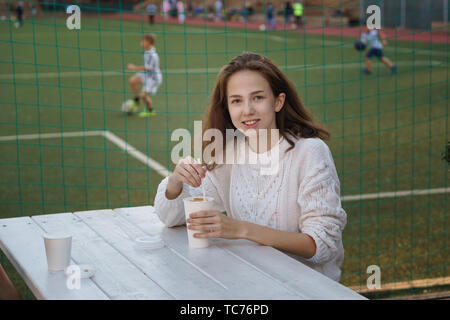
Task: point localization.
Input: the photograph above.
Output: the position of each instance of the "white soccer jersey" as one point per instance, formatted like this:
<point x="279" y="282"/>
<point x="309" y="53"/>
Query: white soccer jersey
<point x="151" y="62"/>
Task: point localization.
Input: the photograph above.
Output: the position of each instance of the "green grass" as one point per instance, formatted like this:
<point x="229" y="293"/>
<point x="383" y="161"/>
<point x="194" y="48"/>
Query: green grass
<point x="388" y="132"/>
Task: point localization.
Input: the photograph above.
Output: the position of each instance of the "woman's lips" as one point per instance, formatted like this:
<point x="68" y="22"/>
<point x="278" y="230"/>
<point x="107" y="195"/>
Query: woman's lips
<point x="250" y="123"/>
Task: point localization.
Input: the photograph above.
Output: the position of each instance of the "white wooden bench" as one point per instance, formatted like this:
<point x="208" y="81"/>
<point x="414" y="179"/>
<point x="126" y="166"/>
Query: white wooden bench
<point x="228" y="269"/>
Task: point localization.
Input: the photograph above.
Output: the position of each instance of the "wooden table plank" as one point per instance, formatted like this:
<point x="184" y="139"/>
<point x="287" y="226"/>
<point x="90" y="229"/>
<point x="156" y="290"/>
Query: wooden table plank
<point x="21" y="240"/>
<point x="163" y="266"/>
<point x="115" y="275"/>
<point x="296" y="275"/>
<point x="242" y="279"/>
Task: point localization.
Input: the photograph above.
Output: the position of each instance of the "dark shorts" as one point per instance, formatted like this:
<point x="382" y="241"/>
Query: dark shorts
<point x="375" y="52"/>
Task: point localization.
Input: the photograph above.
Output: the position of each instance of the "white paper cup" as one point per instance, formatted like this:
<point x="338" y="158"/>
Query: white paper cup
<point x="58" y="248"/>
<point x="194" y="206"/>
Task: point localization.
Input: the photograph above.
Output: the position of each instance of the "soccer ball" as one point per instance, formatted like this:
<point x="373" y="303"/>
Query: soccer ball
<point x="360" y="45"/>
<point x="128" y="106"/>
<point x="262" y="27"/>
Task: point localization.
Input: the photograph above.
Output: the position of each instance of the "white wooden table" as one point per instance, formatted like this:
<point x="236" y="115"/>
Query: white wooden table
<point x="228" y="269"/>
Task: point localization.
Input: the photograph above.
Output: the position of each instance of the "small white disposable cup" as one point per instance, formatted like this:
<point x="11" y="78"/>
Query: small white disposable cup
<point x="194" y="206"/>
<point x="58" y="248"/>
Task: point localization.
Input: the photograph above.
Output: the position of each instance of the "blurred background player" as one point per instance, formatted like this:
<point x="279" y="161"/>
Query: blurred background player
<point x="376" y="40"/>
<point x="271" y="22"/>
<point x="180" y="11"/>
<point x="19" y="14"/>
<point x="288" y="11"/>
<point x="298" y="13"/>
<point x="33" y="10"/>
<point x="166" y="9"/>
<point x="149" y="76"/>
<point x="218" y="6"/>
<point x="151" y="11"/>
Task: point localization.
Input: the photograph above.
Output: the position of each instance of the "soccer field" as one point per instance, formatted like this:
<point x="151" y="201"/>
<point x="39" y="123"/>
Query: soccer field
<point x="388" y="131"/>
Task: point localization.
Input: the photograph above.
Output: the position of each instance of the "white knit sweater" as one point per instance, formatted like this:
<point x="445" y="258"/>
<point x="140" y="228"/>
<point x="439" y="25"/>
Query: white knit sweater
<point x="304" y="196"/>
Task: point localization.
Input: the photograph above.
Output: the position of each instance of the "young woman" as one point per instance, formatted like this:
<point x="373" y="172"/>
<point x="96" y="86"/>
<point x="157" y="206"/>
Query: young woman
<point x="297" y="209"/>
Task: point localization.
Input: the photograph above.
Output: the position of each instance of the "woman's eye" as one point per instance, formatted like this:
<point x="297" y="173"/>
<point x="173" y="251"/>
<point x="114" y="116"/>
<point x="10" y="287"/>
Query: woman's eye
<point x="259" y="97"/>
<point x="234" y="101"/>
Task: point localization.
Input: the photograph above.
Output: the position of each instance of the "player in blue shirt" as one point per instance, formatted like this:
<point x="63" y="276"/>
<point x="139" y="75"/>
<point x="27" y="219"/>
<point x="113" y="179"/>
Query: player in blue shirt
<point x="151" y="11"/>
<point x="271" y="22"/>
<point x="376" y="40"/>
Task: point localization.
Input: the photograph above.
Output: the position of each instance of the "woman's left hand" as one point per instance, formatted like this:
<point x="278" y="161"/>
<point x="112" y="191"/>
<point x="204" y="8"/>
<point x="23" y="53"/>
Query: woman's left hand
<point x="214" y="224"/>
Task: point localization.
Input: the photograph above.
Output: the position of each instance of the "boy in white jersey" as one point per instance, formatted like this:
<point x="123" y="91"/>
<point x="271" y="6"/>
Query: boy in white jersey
<point x="376" y="39"/>
<point x="149" y="76"/>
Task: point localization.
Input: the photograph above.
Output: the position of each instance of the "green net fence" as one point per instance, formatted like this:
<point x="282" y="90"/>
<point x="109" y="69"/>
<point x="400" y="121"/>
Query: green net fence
<point x="65" y="141"/>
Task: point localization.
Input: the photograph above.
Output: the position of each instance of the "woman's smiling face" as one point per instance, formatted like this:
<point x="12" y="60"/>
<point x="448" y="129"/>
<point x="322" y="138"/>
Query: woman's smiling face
<point x="251" y="102"/>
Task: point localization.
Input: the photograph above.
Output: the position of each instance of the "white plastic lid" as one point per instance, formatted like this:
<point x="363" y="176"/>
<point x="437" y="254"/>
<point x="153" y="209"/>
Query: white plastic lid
<point x="149" y="242"/>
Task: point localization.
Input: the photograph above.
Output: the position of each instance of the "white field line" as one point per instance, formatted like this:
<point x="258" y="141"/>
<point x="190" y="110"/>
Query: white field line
<point x="51" y="135"/>
<point x="395" y="194"/>
<point x="164" y="172"/>
<point x="111" y="137"/>
<point x="136" y="153"/>
<point x="299" y="67"/>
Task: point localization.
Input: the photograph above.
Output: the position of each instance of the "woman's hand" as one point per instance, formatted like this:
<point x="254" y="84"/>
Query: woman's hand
<point x="214" y="224"/>
<point x="189" y="171"/>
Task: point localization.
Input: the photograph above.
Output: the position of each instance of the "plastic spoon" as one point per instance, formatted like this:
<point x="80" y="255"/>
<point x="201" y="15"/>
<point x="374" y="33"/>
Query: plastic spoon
<point x="203" y="186"/>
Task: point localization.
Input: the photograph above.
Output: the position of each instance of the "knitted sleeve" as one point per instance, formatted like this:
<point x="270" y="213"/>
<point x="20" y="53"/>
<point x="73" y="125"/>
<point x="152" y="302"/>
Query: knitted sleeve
<point x="322" y="215"/>
<point x="171" y="212"/>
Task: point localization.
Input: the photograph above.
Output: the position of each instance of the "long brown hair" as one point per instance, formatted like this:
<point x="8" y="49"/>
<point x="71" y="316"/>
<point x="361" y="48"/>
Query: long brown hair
<point x="293" y="118"/>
